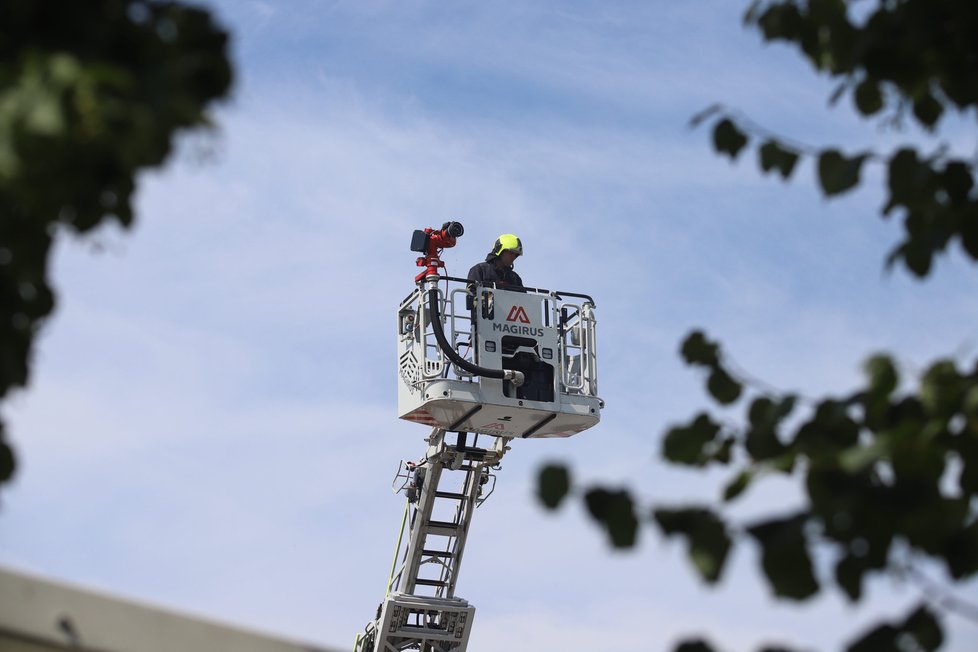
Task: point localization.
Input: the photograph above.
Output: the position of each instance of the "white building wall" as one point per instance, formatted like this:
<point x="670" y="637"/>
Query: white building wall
<point x="39" y="615"/>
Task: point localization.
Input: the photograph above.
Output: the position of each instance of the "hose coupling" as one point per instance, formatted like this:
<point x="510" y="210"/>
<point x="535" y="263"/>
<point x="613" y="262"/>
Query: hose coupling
<point x="515" y="377"/>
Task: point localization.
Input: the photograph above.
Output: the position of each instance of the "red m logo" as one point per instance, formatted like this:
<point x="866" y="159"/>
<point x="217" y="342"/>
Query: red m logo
<point x="518" y="314"/>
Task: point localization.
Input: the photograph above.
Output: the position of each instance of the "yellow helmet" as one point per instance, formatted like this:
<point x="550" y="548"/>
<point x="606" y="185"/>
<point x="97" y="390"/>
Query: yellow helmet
<point x="505" y="242"/>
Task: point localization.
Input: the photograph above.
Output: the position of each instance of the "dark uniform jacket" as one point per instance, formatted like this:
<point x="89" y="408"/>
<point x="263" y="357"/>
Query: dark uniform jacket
<point x="489" y="272"/>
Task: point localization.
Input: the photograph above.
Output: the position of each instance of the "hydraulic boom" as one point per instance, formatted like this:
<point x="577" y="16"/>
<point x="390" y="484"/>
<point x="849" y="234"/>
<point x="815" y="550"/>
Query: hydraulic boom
<point x="473" y="360"/>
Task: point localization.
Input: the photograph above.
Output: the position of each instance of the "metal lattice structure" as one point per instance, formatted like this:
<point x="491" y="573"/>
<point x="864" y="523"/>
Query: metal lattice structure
<point x="541" y="345"/>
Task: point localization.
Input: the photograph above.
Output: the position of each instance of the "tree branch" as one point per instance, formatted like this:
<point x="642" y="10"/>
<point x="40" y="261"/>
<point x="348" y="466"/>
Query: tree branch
<point x="939" y="595"/>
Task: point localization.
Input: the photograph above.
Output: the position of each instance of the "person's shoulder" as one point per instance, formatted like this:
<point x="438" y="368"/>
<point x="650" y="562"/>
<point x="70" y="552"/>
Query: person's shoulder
<point x="478" y="271"/>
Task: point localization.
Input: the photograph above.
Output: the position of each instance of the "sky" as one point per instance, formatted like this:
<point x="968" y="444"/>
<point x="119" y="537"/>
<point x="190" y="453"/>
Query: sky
<point x="211" y="421"/>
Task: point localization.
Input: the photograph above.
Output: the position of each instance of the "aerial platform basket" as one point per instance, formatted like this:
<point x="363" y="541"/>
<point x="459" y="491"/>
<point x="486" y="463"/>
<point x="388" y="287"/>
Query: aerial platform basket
<point x="547" y="337"/>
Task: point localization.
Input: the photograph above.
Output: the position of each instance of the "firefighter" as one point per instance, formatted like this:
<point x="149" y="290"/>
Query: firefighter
<point x="498" y="266"/>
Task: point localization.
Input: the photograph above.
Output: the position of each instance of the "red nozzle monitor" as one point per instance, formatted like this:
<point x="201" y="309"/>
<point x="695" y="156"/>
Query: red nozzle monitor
<point x="431" y="242"/>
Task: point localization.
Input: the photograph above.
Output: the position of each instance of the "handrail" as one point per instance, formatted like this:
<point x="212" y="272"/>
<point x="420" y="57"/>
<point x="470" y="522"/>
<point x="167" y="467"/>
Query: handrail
<point x="493" y="285"/>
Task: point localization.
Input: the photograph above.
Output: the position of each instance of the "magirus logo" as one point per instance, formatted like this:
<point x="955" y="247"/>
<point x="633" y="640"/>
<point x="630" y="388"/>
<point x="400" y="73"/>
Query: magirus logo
<point x="518" y="313"/>
<point x="515" y="329"/>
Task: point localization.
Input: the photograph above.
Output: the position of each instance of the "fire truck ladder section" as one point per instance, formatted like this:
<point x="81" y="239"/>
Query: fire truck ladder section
<point x="473" y="360"/>
<point x="421" y="611"/>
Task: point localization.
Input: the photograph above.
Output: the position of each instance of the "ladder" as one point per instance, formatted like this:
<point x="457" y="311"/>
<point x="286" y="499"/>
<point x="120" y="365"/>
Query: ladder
<point x="421" y="611"/>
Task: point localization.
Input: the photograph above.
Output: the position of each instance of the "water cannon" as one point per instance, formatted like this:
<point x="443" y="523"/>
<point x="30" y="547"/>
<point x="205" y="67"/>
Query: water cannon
<point x="430" y="242"/>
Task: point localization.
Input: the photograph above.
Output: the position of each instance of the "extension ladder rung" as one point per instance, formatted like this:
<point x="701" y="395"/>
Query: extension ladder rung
<point x="443" y="528"/>
<point x="450" y="494"/>
<point x="444" y="554"/>
<point x="430" y="582"/>
<point x="477" y="453"/>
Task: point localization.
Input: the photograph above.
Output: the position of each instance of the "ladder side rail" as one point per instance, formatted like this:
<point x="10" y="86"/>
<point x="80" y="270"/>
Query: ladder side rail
<point x="561" y="349"/>
<point x="450" y="564"/>
<point x="551" y="319"/>
<point x="575" y="333"/>
<point x="406" y="546"/>
<point x="449" y="568"/>
<point x="569" y="350"/>
<point x="589" y="354"/>
<point x="419" y="531"/>
<point x="432" y="366"/>
<point x="458" y="320"/>
<point x="464" y="513"/>
<point x="396" y="571"/>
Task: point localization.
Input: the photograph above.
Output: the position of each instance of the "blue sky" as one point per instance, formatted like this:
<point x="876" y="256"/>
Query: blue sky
<point x="211" y="423"/>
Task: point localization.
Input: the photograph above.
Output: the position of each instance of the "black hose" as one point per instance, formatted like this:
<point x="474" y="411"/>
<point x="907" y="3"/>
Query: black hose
<point x="455" y="357"/>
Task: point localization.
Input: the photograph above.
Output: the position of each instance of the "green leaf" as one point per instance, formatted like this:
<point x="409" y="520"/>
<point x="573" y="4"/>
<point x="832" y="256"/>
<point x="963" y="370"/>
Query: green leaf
<point x="882" y="638"/>
<point x="764" y="413"/>
<point x="737" y="486"/>
<point x="923" y="626"/>
<point x="969" y="402"/>
<point x="46" y="116"/>
<point x="904" y="175"/>
<point x="927" y="110"/>
<point x="780" y="21"/>
<point x="961" y="552"/>
<point x="969" y="232"/>
<point x="723" y="387"/>
<point x="775" y="157"/>
<point x="957" y="181"/>
<point x="694" y="645"/>
<point x="706" y="535"/>
<point x="786" y="405"/>
<point x="917" y="256"/>
<point x="882" y="373"/>
<point x="912" y="182"/>
<point x="762" y="442"/>
<point x="836" y="173"/>
<point x="784" y="557"/>
<point x="859" y="457"/>
<point x="553" y="485"/>
<point x="687" y="444"/>
<point x="616" y="512"/>
<point x="696" y="349"/>
<point x="829" y="430"/>
<point x="941" y="389"/>
<point x="849" y="573"/>
<point x="868" y="98"/>
<point x="7" y="460"/>
<point x="728" y="139"/>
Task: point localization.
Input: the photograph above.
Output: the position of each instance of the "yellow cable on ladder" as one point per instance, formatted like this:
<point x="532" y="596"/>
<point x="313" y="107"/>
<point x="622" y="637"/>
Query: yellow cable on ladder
<point x="397" y="549"/>
<point x="400" y="537"/>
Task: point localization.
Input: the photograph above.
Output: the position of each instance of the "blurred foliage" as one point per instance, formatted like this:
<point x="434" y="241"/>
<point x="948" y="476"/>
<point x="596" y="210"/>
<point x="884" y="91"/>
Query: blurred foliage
<point x="903" y="61"/>
<point x="889" y="476"/>
<point x="91" y="93"/>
